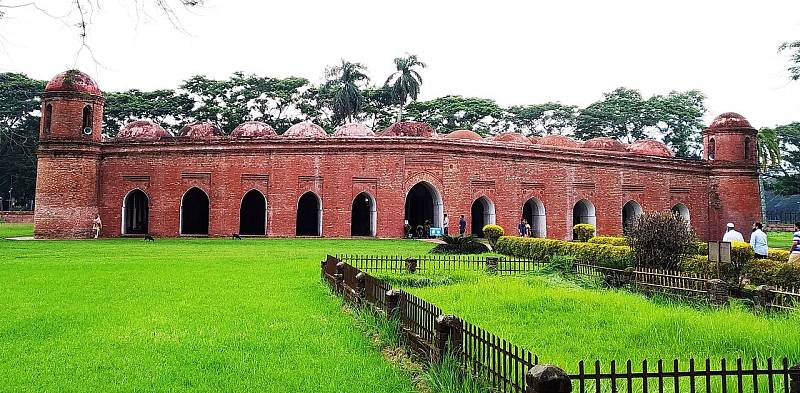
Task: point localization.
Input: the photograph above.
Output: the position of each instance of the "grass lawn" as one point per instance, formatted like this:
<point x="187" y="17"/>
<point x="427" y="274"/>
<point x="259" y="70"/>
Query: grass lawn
<point x="183" y="314"/>
<point x="564" y="323"/>
<point x="779" y="239"/>
<point x="15" y="230"/>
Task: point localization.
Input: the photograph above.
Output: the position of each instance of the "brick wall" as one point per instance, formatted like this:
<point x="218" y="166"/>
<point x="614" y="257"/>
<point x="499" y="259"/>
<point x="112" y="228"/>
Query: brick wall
<point x="16" y="217"/>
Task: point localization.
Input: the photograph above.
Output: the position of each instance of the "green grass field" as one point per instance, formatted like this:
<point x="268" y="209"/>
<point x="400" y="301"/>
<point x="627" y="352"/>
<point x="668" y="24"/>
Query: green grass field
<point x="185" y="314"/>
<point x="779" y="239"/>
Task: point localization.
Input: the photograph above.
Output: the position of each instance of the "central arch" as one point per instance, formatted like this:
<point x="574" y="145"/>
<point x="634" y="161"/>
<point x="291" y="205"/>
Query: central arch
<point x="681" y="210"/>
<point x="135" y="213"/>
<point x="363" y="215"/>
<point x="194" y="212"/>
<point x="482" y="213"/>
<point x="630" y="213"/>
<point x="309" y="215"/>
<point x="253" y="214"/>
<point x="533" y="212"/>
<point x="423" y="204"/>
<point x="584" y="213"/>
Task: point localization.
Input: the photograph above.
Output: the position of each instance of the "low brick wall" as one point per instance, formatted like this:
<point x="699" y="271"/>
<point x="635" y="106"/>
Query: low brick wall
<point x="25" y="217"/>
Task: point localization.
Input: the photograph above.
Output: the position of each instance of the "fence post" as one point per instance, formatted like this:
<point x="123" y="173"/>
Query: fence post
<point x="448" y="331"/>
<point x="717" y="292"/>
<point x="763" y="297"/>
<point x="392" y="303"/>
<point x="339" y="277"/>
<point x="491" y="265"/>
<point x="361" y="286"/>
<point x="794" y="375"/>
<point x="322" y="265"/>
<point x="546" y="378"/>
<point x="411" y="265"/>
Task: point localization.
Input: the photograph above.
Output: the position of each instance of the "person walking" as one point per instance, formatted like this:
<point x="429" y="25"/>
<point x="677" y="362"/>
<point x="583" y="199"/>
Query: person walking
<point x="521" y="228"/>
<point x="446" y="225"/>
<point x="97" y="225"/>
<point x="732" y="234"/>
<point x="462" y="225"/>
<point x="794" y="256"/>
<point x="758" y="240"/>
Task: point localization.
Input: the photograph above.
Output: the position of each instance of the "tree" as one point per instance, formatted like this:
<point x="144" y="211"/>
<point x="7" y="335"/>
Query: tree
<point x="377" y="107"/>
<point x="406" y="81"/>
<point x="165" y="107"/>
<point x="622" y="114"/>
<point x="794" y="48"/>
<point x="552" y="118"/>
<point x="678" y="116"/>
<point x="783" y="179"/>
<point x="455" y="112"/>
<point x="346" y="81"/>
<point x="660" y="239"/>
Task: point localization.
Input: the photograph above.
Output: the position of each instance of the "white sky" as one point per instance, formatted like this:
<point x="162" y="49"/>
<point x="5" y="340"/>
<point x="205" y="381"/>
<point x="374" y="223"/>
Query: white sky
<point x="516" y="52"/>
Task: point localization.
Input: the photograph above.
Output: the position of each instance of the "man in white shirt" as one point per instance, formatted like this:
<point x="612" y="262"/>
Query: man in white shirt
<point x="732" y="235"/>
<point x="446" y="225"/>
<point x="758" y="240"/>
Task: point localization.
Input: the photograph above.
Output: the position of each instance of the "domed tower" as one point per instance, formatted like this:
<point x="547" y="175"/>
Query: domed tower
<point x="68" y="156"/>
<point x="729" y="146"/>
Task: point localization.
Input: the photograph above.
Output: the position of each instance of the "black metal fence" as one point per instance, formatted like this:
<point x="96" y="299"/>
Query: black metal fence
<point x="434" y="263"/>
<point x="783" y="217"/>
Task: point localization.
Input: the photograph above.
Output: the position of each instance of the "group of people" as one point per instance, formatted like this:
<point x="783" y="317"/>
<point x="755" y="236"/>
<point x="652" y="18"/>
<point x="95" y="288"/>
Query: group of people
<point x="758" y="240"/>
<point x="524" y="228"/>
<point x="423" y="231"/>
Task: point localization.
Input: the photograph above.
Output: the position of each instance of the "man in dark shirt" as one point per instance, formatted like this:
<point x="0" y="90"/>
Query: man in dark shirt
<point x="462" y="225"/>
<point x="522" y="228"/>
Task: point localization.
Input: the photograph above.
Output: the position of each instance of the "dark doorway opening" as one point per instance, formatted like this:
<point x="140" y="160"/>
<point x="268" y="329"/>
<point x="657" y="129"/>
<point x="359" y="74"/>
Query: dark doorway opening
<point x="419" y="207"/>
<point x="136" y="213"/>
<point x="194" y="212"/>
<point x="253" y="214"/>
<point x="309" y="222"/>
<point x="478" y="213"/>
<point x="362" y="216"/>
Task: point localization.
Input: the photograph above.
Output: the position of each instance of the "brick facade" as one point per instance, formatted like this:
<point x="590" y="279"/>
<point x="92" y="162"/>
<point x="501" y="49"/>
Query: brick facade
<point x="81" y="176"/>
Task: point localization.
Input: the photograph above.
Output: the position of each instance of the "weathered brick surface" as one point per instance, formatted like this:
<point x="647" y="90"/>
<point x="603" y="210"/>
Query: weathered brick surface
<point x="16" y="217"/>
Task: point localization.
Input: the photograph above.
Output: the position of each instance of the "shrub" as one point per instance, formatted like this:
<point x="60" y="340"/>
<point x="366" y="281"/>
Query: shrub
<point x="699" y="264"/>
<point x="561" y="264"/>
<point x="460" y="245"/>
<point x="542" y="249"/>
<point x="699" y="248"/>
<point x="583" y="232"/>
<point x="770" y="272"/>
<point x="741" y="253"/>
<point x="660" y="240"/>
<point x="493" y="232"/>
<point x="610" y="240"/>
<point x="778" y="255"/>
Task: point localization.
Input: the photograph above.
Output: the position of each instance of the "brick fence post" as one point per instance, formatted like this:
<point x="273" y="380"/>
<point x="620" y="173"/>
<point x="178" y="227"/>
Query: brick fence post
<point x="546" y="378"/>
<point x="763" y="296"/>
<point x="794" y="376"/>
<point x="717" y="292"/>
<point x="411" y="265"/>
<point x="322" y="265"/>
<point x="491" y="265"/>
<point x="339" y="277"/>
<point x="448" y="330"/>
<point x="361" y="286"/>
<point x="392" y="303"/>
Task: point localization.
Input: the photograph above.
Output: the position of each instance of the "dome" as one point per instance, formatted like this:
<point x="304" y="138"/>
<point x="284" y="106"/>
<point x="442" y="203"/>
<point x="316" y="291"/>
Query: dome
<point x="604" y="144"/>
<point x="142" y="130"/>
<point x="305" y="129"/>
<point x="200" y="130"/>
<point x="730" y="120"/>
<point x="558" y="140"/>
<point x="513" y="137"/>
<point x="353" y="130"/>
<point x="409" y="128"/>
<point x="253" y="129"/>
<point x="534" y="139"/>
<point x="649" y="147"/>
<point x="464" y="134"/>
<point x="74" y="81"/>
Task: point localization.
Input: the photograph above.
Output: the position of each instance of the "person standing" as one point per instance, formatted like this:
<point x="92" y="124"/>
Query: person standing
<point x="758" y="240"/>
<point x="446" y="225"/>
<point x="462" y="225"/>
<point x="732" y="234"/>
<point x="521" y="228"/>
<point x="97" y="225"/>
<point x="794" y="256"/>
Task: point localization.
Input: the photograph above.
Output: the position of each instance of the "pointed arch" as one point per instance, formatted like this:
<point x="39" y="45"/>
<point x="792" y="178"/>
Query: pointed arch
<point x="584" y="213"/>
<point x="135" y="213"/>
<point x="482" y="213"/>
<point x="309" y="215"/>
<point x="363" y="215"/>
<point x="195" y="209"/>
<point x="630" y="213"/>
<point x="253" y="214"/>
<point x="533" y="212"/>
<point x="423" y="203"/>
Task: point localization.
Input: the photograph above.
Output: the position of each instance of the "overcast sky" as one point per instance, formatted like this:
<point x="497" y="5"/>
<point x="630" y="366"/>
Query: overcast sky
<point x="516" y="52"/>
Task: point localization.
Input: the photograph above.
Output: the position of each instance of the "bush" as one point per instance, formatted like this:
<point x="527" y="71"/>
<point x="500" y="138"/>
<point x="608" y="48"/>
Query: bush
<point x="778" y="255"/>
<point x="610" y="240"/>
<point x="770" y="272"/>
<point x="741" y="253"/>
<point x="560" y="264"/>
<point x="493" y="232"/>
<point x="460" y="245"/>
<point x="617" y="257"/>
<point x="660" y="240"/>
<point x="583" y="232"/>
<point x="699" y="248"/>
<point x="699" y="264"/>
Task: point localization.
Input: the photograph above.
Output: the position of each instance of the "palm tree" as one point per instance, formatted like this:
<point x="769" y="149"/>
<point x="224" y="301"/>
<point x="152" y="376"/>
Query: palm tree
<point x="346" y="80"/>
<point x="769" y="156"/>
<point x="405" y="82"/>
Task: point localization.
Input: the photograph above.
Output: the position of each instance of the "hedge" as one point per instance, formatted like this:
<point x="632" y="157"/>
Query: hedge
<point x="610" y="240"/>
<point x="618" y="257"/>
<point x="493" y="232"/>
<point x="583" y="232"/>
<point x="756" y="271"/>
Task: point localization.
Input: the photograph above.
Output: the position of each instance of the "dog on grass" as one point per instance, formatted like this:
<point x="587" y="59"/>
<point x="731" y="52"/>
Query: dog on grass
<point x="236" y="236"/>
<point x="149" y="238"/>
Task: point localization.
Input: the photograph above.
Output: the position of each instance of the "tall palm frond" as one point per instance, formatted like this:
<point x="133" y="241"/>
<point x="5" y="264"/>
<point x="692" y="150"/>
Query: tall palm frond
<point x="346" y="79"/>
<point x="769" y="149"/>
<point x="406" y="81"/>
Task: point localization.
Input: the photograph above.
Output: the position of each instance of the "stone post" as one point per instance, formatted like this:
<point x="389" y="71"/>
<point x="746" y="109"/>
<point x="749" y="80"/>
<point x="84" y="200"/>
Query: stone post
<point x="339" y="277"/>
<point x="411" y="265"/>
<point x="392" y="303"/>
<point x="361" y="286"/>
<point x="546" y="378"/>
<point x="322" y="265"/>
<point x="717" y="292"/>
<point x="491" y="265"/>
<point x="448" y="330"/>
<point x="763" y="296"/>
<point x="794" y="377"/>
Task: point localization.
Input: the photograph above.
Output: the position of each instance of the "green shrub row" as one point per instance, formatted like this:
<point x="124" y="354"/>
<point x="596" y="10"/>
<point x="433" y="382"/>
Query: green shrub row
<point x="756" y="271"/>
<point x="583" y="232"/>
<point x="610" y="240"/>
<point x="493" y="232"/>
<point x="618" y="257"/>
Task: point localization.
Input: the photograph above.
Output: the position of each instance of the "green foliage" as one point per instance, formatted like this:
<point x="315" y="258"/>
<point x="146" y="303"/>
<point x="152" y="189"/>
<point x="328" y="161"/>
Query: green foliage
<point x="449" y="376"/>
<point x="493" y="232"/>
<point x="346" y="81"/>
<point x="699" y="264"/>
<point x="386" y="331"/>
<point x="406" y="81"/>
<point x="559" y="264"/>
<point x="618" y="257"/>
<point x="451" y="113"/>
<point x="165" y="107"/>
<point x="741" y="253"/>
<point x="610" y="240"/>
<point x="770" y="272"/>
<point x="583" y="232"/>
<point x="794" y="49"/>
<point x="427" y="279"/>
<point x="552" y="118"/>
<point x="660" y="240"/>
<point x="778" y="255"/>
<point x="699" y="248"/>
<point x="783" y="179"/>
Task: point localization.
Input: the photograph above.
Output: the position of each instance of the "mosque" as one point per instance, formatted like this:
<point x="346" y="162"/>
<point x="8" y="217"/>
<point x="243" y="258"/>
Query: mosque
<point x="357" y="182"/>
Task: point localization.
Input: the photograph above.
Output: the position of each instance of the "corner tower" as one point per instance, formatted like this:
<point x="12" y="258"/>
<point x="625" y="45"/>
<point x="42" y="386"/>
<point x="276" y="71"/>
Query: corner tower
<point x="70" y="133"/>
<point x="729" y="146"/>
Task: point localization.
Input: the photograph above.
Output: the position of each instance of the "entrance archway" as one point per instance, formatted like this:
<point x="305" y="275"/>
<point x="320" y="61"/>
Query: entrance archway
<point x="363" y="216"/>
<point x="253" y="214"/>
<point x="584" y="213"/>
<point x="482" y="213"/>
<point x="423" y="203"/>
<point x="135" y="213"/>
<point x="683" y="211"/>
<point x="309" y="215"/>
<point x="533" y="213"/>
<point x="630" y="213"/>
<point x="194" y="212"/>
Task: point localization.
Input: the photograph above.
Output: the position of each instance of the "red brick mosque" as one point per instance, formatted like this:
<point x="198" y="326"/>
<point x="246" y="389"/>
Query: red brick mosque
<point x="357" y="182"/>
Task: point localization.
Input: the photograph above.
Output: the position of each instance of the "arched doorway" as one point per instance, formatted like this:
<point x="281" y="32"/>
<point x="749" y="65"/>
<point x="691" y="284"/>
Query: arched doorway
<point x="194" y="212"/>
<point x="584" y="213"/>
<point x="253" y="214"/>
<point x="309" y="215"/>
<point x="423" y="203"/>
<point x="482" y="213"/>
<point x="681" y="210"/>
<point x="533" y="213"/>
<point x="135" y="213"/>
<point x="630" y="213"/>
<point x="363" y="216"/>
